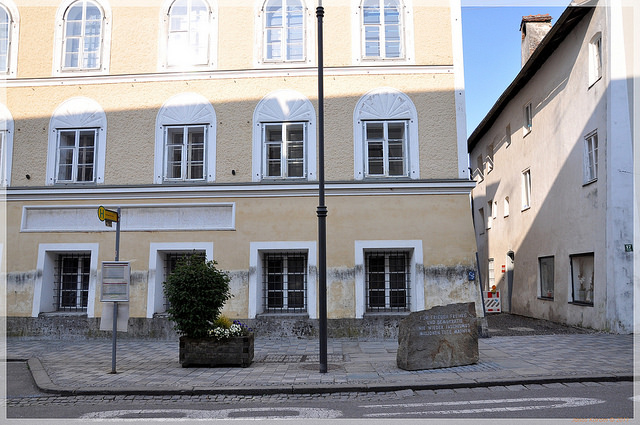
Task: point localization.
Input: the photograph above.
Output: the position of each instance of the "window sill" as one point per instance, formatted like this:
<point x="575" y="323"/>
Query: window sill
<point x="63" y="313"/>
<point x="283" y="315"/>
<point x="526" y="133"/>
<point x="546" y="299"/>
<point x="587" y="183"/>
<point x="386" y="313"/>
<point x="594" y="82"/>
<point x="582" y="304"/>
<point x="528" y="207"/>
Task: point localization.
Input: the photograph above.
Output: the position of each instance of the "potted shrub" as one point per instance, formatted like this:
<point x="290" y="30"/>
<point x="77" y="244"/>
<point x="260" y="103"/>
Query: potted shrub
<point x="196" y="291"/>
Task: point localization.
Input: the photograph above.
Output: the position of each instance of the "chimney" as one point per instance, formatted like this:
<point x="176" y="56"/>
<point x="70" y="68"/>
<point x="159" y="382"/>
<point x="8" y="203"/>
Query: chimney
<point x="533" y="28"/>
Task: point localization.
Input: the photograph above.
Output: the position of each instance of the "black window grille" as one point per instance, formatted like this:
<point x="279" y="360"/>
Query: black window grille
<point x="388" y="281"/>
<point x="171" y="260"/>
<point x="284" y="279"/>
<point x="71" y="282"/>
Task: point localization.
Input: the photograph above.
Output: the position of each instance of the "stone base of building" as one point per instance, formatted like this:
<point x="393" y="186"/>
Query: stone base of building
<point x="79" y="326"/>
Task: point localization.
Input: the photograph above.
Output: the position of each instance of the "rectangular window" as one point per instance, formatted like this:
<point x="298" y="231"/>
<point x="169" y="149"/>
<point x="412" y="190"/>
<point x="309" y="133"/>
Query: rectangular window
<point x="591" y="158"/>
<point x="506" y="206"/>
<point x="76" y="155"/>
<point x="547" y="277"/>
<point x="386" y="148"/>
<point x="387" y="281"/>
<point x="5" y="37"/>
<point x="284" y="150"/>
<point x="526" y="189"/>
<point x="71" y="282"/>
<point x="508" y="135"/>
<point x="184" y="153"/>
<point x="492" y="273"/>
<point x="284" y="282"/>
<point x="171" y="260"/>
<point x="489" y="214"/>
<point x="284" y="34"/>
<point x="582" y="278"/>
<point x="382" y="29"/>
<point x="595" y="59"/>
<point x="528" y="118"/>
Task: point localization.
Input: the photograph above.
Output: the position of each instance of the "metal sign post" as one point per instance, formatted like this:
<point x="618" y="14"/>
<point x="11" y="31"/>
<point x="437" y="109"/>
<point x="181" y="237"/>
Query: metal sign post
<point x="109" y="217"/>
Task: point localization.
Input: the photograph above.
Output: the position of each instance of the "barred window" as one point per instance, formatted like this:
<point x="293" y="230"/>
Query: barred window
<point x="171" y="260"/>
<point x="388" y="281"/>
<point x="284" y="278"/>
<point x="71" y="292"/>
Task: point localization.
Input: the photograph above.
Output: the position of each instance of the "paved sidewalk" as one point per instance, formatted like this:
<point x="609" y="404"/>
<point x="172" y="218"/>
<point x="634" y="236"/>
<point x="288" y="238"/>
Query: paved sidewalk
<point x="291" y="365"/>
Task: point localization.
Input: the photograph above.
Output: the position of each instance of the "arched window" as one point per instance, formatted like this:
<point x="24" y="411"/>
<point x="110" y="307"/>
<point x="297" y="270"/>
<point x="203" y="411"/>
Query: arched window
<point x="185" y="140"/>
<point x="386" y="135"/>
<point x="77" y="143"/>
<point x="284" y="30"/>
<point x="83" y="37"/>
<point x="190" y="34"/>
<point x="284" y="137"/>
<point x="9" y="20"/>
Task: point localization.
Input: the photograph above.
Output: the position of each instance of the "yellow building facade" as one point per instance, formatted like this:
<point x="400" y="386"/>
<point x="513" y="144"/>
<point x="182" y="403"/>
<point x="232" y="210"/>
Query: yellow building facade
<point x="198" y="119"/>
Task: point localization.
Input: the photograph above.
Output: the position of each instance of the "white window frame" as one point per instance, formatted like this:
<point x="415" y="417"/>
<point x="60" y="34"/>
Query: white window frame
<point x="76" y="154"/>
<point x="256" y="289"/>
<point x="407" y="36"/>
<point x="595" y="59"/>
<point x="506" y="206"/>
<point x="77" y="113"/>
<point x="386" y="159"/>
<point x="526" y="189"/>
<point x="527" y="124"/>
<point x="182" y="110"/>
<point x="490" y="214"/>
<point x="6" y="145"/>
<point x="491" y="273"/>
<point x="13" y="31"/>
<point x="590" y="160"/>
<point x="43" y="294"/>
<point x="186" y="160"/>
<point x="416" y="297"/>
<point x="59" y="40"/>
<point x="386" y="104"/>
<point x="284" y="143"/>
<point x="308" y="24"/>
<point x="284" y="106"/>
<point x="155" y="293"/>
<point x="163" y="48"/>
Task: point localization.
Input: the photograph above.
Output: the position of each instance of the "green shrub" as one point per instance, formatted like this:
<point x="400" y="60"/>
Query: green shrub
<point x="196" y="291"/>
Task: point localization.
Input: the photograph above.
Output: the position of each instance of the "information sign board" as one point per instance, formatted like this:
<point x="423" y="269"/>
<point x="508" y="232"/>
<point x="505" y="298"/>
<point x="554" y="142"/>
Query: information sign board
<point x="116" y="279"/>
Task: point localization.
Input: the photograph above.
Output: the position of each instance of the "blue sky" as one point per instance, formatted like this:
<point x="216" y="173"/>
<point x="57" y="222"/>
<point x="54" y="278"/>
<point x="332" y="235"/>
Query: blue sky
<point x="491" y="40"/>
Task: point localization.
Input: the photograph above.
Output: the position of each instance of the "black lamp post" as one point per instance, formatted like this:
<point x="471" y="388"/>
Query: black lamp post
<point x="322" y="208"/>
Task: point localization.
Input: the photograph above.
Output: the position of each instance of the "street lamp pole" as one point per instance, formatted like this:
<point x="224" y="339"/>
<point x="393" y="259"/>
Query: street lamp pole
<point x="322" y="208"/>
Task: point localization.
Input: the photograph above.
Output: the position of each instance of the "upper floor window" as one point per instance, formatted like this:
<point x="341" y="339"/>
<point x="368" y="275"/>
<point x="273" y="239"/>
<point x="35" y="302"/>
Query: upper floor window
<point x="527" y="119"/>
<point x="284" y="137"/>
<point x="190" y="31"/>
<point x="386" y="135"/>
<point x="526" y="189"/>
<point x="590" y="158"/>
<point x="6" y="145"/>
<point x="284" y="30"/>
<point x="77" y="143"/>
<point x="384" y="30"/>
<point x="185" y="140"/>
<point x="83" y="37"/>
<point x="595" y="59"/>
<point x="8" y="38"/>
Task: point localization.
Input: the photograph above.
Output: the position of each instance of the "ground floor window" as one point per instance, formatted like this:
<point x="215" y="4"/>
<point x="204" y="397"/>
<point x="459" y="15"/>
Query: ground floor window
<point x="492" y="274"/>
<point x="546" y="265"/>
<point x="284" y="282"/>
<point x="171" y="260"/>
<point x="387" y="281"/>
<point x="71" y="282"/>
<point x="582" y="278"/>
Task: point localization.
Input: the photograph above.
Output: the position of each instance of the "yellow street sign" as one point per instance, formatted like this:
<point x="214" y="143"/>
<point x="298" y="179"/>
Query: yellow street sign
<point x="105" y="214"/>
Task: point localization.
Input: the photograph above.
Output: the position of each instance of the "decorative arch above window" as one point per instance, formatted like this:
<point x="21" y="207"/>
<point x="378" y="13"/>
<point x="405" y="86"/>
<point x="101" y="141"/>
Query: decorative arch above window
<point x="189" y="35"/>
<point x="382" y="31"/>
<point x="284" y="137"/>
<point x="385" y="132"/>
<point x="284" y="28"/>
<point x="77" y="143"/>
<point x="9" y="30"/>
<point x="82" y="37"/>
<point x="185" y="148"/>
<point x="6" y="145"/>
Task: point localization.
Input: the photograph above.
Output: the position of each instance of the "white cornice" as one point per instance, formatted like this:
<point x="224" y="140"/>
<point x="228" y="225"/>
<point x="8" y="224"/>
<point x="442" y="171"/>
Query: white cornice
<point x="227" y="74"/>
<point x="426" y="187"/>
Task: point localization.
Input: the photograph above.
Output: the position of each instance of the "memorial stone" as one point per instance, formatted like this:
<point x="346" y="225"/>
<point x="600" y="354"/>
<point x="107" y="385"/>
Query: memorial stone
<point x="442" y="336"/>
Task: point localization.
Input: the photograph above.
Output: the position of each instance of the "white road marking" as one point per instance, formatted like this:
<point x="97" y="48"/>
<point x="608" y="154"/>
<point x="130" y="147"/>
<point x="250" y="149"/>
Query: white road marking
<point x="258" y="413"/>
<point x="558" y="402"/>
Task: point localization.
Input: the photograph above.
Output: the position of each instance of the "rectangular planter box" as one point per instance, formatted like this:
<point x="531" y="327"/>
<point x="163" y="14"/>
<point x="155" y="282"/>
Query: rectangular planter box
<point x="234" y="351"/>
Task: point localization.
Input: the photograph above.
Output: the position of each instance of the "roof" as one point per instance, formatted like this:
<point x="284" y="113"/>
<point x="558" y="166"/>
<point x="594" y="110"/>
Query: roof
<point x="572" y="15"/>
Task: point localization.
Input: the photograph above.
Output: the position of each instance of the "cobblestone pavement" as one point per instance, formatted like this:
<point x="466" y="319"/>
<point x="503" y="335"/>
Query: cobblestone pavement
<point x="291" y="366"/>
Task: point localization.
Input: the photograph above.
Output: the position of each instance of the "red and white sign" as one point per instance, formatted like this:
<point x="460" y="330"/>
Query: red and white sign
<point x="492" y="301"/>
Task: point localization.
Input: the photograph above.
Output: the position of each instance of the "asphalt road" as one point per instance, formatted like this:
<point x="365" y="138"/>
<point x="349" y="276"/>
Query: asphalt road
<point x="579" y="402"/>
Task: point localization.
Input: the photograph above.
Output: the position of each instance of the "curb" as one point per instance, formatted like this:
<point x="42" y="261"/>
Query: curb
<point x="46" y="385"/>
